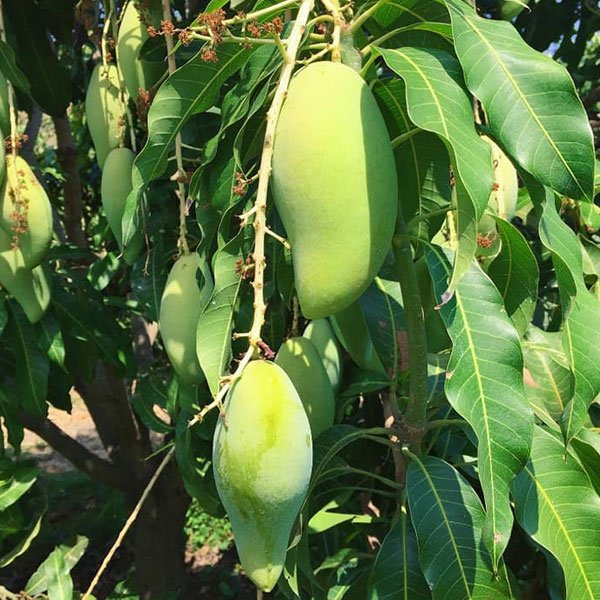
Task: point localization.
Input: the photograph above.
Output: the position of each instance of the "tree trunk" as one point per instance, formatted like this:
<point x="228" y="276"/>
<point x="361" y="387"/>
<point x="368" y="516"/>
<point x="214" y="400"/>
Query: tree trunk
<point x="158" y="540"/>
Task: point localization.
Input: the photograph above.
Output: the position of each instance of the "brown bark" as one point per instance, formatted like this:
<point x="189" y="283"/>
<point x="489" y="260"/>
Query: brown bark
<point x="67" y="156"/>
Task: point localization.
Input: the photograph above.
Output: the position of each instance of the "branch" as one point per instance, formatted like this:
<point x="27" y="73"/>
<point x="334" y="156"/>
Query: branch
<point x="101" y="470"/>
<point x="67" y="157"/>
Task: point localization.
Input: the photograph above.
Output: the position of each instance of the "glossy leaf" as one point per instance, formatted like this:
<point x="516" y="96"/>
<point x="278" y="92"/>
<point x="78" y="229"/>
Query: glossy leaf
<point x="396" y="572"/>
<point x="530" y="101"/>
<point x="516" y="275"/>
<point x="437" y="101"/>
<point x="26" y="539"/>
<point x="192" y="88"/>
<point x="15" y="480"/>
<point x="448" y="519"/>
<point x="148" y="277"/>
<point x="10" y="70"/>
<point x="32" y="364"/>
<point x="558" y="507"/>
<point x="397" y="13"/>
<point x="216" y="321"/>
<point x="50" y="340"/>
<point x="484" y="385"/>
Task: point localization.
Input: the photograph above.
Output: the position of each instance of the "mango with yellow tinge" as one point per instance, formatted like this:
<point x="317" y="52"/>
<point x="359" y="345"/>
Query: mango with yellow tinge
<point x="321" y="334"/>
<point x="30" y="287"/>
<point x="104" y="110"/>
<point x="334" y="185"/>
<point x="25" y="211"/>
<point x="133" y="33"/>
<point x="503" y="199"/>
<point x="180" y="308"/>
<point x="302" y="363"/>
<point x="262" y="460"/>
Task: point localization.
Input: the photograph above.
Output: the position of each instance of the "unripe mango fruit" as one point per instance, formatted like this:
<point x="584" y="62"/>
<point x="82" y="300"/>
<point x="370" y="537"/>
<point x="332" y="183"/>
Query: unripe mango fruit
<point x="299" y="358"/>
<point x="321" y="334"/>
<point x="262" y="460"/>
<point x="25" y="211"/>
<point x="104" y="110"/>
<point x="133" y="33"/>
<point x="334" y="185"/>
<point x="30" y="287"/>
<point x="503" y="199"/>
<point x="180" y="308"/>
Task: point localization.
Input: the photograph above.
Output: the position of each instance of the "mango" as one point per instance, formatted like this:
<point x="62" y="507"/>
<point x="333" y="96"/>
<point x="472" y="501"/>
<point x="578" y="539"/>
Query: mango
<point x="320" y="333"/>
<point x="334" y="185"/>
<point x="30" y="287"/>
<point x="180" y="308"/>
<point x="299" y="358"/>
<point x="133" y="34"/>
<point x="262" y="460"/>
<point x="28" y="214"/>
<point x="503" y="199"/>
<point x="104" y="111"/>
<point x="4" y="107"/>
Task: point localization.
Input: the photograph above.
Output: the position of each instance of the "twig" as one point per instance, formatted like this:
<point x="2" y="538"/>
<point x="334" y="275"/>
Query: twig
<point x="183" y="245"/>
<point x="333" y="6"/>
<point x="128" y="523"/>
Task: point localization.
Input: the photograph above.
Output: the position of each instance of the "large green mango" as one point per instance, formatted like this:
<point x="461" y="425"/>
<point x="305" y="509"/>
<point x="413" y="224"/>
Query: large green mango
<point x="104" y="111"/>
<point x="4" y="107"/>
<point x="28" y="214"/>
<point x="180" y="308"/>
<point x="302" y="363"/>
<point x="320" y="333"/>
<point x="132" y="35"/>
<point x="334" y="185"/>
<point x="30" y="287"/>
<point x="262" y="460"/>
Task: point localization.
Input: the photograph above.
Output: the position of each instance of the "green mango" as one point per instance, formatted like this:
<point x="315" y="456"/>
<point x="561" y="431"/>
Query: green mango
<point x="32" y="214"/>
<point x="30" y="287"/>
<point x="104" y="110"/>
<point x="321" y="334"/>
<point x="133" y="34"/>
<point x="262" y="460"/>
<point x="180" y="308"/>
<point x="351" y="330"/>
<point x="504" y="196"/>
<point x="4" y="107"/>
<point x="302" y="363"/>
<point x="334" y="185"/>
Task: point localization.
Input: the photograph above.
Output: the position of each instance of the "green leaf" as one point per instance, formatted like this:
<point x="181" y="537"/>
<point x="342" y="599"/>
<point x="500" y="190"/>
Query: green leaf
<point x="29" y="534"/>
<point x="10" y="70"/>
<point x="516" y="275"/>
<point x="422" y="160"/>
<point x="50" y="339"/>
<point x="530" y="100"/>
<point x="150" y="392"/>
<point x="557" y="506"/>
<point x="32" y="364"/>
<point x="438" y="102"/>
<point x="396" y="13"/>
<point x="448" y="519"/>
<point x="216" y="321"/>
<point x="396" y="572"/>
<point x="192" y="88"/>
<point x="548" y="378"/>
<point x="40" y="582"/>
<point x="484" y="384"/>
<point x="15" y="480"/>
<point x="50" y="82"/>
<point x="581" y="311"/>
<point x="148" y="278"/>
<point x="60" y="584"/>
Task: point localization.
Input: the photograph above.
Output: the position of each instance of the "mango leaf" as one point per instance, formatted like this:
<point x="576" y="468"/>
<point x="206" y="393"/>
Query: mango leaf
<point x="32" y="364"/>
<point x="148" y="393"/>
<point x="587" y="447"/>
<point x="29" y="534"/>
<point x="516" y="275"/>
<point x="60" y="584"/>
<point x="396" y="572"/>
<point x="50" y="339"/>
<point x="540" y="121"/>
<point x="548" y="378"/>
<point x="192" y="88"/>
<point x="15" y="480"/>
<point x="557" y="506"/>
<point x="10" y="70"/>
<point x="438" y="102"/>
<point x="484" y="385"/>
<point x="422" y="160"/>
<point x="397" y="13"/>
<point x="9" y="409"/>
<point x="216" y="321"/>
<point x="40" y="581"/>
<point x="448" y="519"/>
<point x="50" y="82"/>
<point x="148" y="278"/>
<point x="581" y="312"/>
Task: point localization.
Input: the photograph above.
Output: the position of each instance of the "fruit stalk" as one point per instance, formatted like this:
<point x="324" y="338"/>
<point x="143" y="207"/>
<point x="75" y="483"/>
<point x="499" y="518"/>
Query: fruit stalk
<point x="183" y="245"/>
<point x="333" y="6"/>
